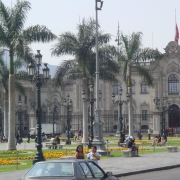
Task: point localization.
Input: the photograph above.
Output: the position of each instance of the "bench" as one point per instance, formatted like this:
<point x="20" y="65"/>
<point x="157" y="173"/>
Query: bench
<point x="123" y="144"/>
<point x="172" y="148"/>
<point x="126" y="153"/>
<point x="176" y="135"/>
<point x="53" y="146"/>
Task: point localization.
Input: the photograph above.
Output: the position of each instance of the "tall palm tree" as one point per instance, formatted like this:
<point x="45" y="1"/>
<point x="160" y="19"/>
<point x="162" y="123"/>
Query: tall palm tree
<point x="82" y="47"/>
<point x="71" y="69"/>
<point x="14" y="37"/>
<point x="4" y="77"/>
<point x="130" y="56"/>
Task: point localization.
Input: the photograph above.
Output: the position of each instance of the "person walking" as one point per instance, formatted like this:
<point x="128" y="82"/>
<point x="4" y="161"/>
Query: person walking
<point x="28" y="137"/>
<point x="149" y="134"/>
<point x="17" y="136"/>
<point x="79" y="152"/>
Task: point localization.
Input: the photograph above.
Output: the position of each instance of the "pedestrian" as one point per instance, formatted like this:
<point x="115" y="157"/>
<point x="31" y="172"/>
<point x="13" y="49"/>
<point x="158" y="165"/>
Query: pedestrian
<point x="17" y="136"/>
<point x="149" y="133"/>
<point x="79" y="152"/>
<point x="2" y="135"/>
<point x="139" y="135"/>
<point x="28" y="137"/>
<point x="93" y="154"/>
<point x="122" y="137"/>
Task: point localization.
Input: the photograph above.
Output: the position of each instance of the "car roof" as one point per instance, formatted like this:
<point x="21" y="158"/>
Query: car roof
<point x="64" y="160"/>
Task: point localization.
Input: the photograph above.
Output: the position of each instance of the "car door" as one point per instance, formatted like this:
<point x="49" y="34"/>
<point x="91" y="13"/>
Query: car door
<point x="98" y="173"/>
<point x="85" y="171"/>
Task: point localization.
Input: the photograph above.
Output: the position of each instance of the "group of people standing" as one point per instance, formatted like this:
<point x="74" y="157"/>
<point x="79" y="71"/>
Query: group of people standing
<point x="92" y="155"/>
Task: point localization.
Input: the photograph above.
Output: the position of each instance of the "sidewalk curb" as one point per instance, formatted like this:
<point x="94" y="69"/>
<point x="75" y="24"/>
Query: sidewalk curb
<point x="147" y="170"/>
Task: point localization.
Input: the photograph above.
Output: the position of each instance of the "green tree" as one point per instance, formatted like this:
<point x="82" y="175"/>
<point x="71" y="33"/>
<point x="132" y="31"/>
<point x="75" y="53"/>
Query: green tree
<point x="16" y="39"/>
<point x="82" y="47"/>
<point x="4" y="77"/>
<point x="130" y="56"/>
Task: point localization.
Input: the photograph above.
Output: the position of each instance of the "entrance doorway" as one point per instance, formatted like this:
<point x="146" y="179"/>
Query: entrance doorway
<point x="174" y="116"/>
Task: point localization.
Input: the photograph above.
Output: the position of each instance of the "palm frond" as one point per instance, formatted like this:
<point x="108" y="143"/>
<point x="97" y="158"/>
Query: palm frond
<point x="145" y="74"/>
<point x="62" y="70"/>
<point x="20" y="88"/>
<point x="19" y="15"/>
<point x="38" y="33"/>
<point x="67" y="44"/>
<point x="5" y="14"/>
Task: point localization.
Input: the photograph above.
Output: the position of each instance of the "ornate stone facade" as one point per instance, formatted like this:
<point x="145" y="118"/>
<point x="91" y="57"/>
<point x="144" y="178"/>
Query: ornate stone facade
<point x="166" y="73"/>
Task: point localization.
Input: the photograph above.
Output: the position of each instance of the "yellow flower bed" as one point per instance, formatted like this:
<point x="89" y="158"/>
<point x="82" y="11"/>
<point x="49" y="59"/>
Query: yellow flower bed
<point x="49" y="155"/>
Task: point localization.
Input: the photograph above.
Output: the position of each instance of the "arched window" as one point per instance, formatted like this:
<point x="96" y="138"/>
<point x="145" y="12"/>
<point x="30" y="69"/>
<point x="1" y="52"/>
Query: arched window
<point x="144" y="88"/>
<point x="173" y="84"/>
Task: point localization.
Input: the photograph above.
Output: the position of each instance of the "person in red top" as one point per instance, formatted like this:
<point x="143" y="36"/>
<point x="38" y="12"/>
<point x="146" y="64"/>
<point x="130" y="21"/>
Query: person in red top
<point x="79" y="152"/>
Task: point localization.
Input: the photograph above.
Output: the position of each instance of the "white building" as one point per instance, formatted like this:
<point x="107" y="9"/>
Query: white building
<point x="166" y="73"/>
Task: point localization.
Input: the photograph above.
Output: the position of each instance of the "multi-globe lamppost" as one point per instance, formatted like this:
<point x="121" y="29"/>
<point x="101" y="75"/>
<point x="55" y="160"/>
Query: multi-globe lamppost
<point x="68" y="104"/>
<point x="91" y="101"/>
<point x="161" y="106"/>
<point x="39" y="79"/>
<point x="55" y="113"/>
<point x="1" y="114"/>
<point x="20" y="111"/>
<point x="120" y="118"/>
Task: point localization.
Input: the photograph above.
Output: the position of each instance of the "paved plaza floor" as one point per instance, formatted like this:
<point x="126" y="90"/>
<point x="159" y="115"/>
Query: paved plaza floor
<point x="118" y="166"/>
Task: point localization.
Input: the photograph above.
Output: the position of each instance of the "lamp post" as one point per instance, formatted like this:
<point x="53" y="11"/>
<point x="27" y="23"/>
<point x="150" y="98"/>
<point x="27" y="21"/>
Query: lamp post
<point x="55" y="111"/>
<point x="120" y="118"/>
<point x="35" y="76"/>
<point x="98" y="132"/>
<point x="91" y="101"/>
<point x="20" y="111"/>
<point x="160" y="105"/>
<point x="68" y="104"/>
<point x="1" y="113"/>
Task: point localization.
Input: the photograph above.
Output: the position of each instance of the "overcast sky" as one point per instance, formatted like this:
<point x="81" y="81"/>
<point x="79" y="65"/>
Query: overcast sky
<point x="154" y="18"/>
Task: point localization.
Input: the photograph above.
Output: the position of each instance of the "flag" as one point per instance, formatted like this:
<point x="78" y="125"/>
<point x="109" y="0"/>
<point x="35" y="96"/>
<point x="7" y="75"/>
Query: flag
<point x="177" y="34"/>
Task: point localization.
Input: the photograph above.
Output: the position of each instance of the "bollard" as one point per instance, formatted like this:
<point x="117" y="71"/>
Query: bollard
<point x="66" y="151"/>
<point x="142" y="147"/>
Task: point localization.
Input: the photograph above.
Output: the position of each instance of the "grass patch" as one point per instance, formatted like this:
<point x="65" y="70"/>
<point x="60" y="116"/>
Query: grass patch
<point x="26" y="164"/>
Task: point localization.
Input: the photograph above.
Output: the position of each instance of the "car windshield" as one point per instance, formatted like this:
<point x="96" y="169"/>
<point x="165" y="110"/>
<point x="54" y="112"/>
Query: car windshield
<point x="51" y="169"/>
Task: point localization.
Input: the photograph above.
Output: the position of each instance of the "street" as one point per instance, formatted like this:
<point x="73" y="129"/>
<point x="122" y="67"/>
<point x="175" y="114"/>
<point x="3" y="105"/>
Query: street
<point x="171" y="174"/>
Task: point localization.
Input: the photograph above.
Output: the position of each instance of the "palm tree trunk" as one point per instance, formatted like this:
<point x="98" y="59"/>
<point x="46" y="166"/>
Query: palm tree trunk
<point x="6" y="124"/>
<point x="130" y="112"/>
<point x="11" y="140"/>
<point x="85" y="114"/>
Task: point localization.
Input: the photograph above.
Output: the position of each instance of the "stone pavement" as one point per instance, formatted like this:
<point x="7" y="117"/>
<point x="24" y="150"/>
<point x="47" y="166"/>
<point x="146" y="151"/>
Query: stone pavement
<point x="118" y="166"/>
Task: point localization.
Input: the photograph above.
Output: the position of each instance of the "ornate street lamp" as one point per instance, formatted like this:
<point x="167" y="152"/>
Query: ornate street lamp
<point x="39" y="79"/>
<point x="91" y="101"/>
<point x="68" y="104"/>
<point x="1" y="113"/>
<point x="120" y="118"/>
<point x="160" y="105"/>
<point x="55" y="112"/>
<point x="20" y="111"/>
<point x="98" y="134"/>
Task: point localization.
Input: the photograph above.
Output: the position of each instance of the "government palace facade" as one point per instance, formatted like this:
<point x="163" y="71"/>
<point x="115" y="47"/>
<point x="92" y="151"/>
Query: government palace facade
<point x="166" y="73"/>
